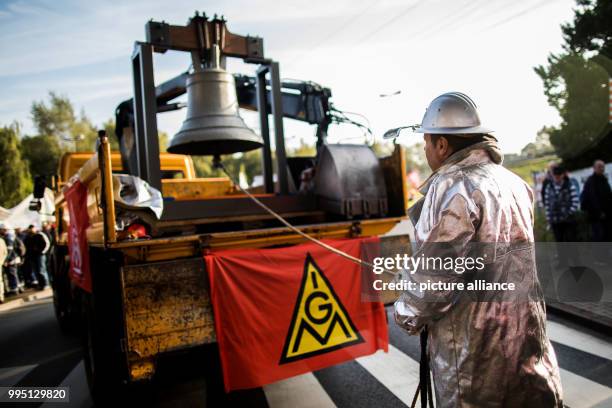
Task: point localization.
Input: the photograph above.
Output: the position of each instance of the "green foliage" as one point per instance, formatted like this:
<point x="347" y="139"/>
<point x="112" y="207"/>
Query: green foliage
<point x="526" y="168"/>
<point x="15" y="180"/>
<point x="541" y="231"/>
<point x="83" y="133"/>
<point x="163" y="141"/>
<point x="249" y="163"/>
<point x="54" y="119"/>
<point x="42" y="154"/>
<point x="576" y="84"/>
<point x="416" y="159"/>
<point x="57" y="119"/>
<point x="382" y="149"/>
<point x="109" y="127"/>
<point x="303" y="150"/>
<point x="591" y="29"/>
<point x="577" y="88"/>
<point x="59" y="130"/>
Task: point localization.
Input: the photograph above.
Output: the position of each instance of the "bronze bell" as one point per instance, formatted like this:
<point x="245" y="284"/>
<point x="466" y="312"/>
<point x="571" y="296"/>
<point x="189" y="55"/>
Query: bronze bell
<point x="213" y="125"/>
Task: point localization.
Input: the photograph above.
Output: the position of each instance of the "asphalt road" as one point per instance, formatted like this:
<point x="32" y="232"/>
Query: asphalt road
<point x="35" y="353"/>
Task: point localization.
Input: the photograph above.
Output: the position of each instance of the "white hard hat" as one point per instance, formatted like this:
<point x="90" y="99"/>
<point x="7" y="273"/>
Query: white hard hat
<point x="451" y="113"/>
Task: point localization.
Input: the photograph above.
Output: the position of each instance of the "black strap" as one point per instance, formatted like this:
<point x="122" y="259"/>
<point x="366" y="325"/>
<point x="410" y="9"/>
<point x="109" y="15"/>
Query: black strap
<point x="425" y="379"/>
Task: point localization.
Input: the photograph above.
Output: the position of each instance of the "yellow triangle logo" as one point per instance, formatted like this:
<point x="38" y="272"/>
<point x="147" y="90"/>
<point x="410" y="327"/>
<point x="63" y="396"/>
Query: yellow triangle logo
<point x="320" y="323"/>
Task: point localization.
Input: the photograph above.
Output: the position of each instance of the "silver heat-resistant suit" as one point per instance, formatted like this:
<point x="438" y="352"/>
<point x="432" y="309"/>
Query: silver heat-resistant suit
<point x="493" y="352"/>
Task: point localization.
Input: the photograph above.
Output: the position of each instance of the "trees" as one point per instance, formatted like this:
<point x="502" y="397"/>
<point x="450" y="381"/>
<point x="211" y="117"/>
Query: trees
<point x="54" y="119"/>
<point x="59" y="129"/>
<point x="577" y="87"/>
<point x="591" y="29"/>
<point x="57" y="119"/>
<point x="576" y="84"/>
<point x="42" y="154"/>
<point x="15" y="180"/>
<point x="248" y="163"/>
<point x="416" y="160"/>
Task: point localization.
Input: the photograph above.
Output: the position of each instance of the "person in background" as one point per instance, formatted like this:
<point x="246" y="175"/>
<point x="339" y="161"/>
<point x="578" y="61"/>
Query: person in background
<point x="596" y="201"/>
<point x="10" y="262"/>
<point x="20" y="250"/>
<point x="3" y="254"/>
<point x="49" y="230"/>
<point x="547" y="180"/>
<point x="561" y="198"/>
<point x="574" y="182"/>
<point x="37" y="245"/>
<point x="20" y="233"/>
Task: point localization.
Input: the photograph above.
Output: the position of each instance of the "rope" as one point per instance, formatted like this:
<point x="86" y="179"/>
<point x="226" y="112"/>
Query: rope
<point x="218" y="164"/>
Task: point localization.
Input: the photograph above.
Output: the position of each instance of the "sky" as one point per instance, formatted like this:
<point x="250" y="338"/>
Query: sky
<point x="360" y="49"/>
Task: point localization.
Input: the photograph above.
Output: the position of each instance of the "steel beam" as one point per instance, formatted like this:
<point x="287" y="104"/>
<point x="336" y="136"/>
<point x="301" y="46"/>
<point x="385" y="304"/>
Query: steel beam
<point x="145" y="116"/>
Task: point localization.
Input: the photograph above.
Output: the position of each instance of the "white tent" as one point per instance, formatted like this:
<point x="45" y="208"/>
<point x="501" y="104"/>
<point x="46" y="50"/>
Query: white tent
<point x="20" y="216"/>
<point x="4" y="213"/>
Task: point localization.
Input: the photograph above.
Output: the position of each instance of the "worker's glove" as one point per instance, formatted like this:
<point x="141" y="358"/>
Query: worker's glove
<point x="405" y="318"/>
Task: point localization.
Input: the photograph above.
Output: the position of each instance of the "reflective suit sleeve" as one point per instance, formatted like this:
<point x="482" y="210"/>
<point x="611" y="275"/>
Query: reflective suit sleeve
<point x="448" y="238"/>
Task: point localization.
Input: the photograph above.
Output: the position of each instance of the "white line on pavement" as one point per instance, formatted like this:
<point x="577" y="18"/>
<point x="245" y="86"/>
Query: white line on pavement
<point x="579" y="340"/>
<point x="302" y="391"/>
<point x="395" y="370"/>
<point x="79" y="392"/>
<point x="10" y="376"/>
<point x="579" y="392"/>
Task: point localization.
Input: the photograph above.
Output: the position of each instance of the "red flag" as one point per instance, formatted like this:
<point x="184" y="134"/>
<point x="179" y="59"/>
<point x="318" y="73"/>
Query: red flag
<point x="76" y="199"/>
<point x="287" y="311"/>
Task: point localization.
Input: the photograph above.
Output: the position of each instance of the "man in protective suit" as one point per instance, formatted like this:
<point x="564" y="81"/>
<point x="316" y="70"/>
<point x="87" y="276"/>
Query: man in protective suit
<point x="485" y="349"/>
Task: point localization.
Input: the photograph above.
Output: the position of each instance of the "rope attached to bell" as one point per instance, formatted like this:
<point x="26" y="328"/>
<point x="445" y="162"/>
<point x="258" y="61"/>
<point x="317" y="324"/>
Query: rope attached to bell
<point x="424" y="388"/>
<point x="219" y="165"/>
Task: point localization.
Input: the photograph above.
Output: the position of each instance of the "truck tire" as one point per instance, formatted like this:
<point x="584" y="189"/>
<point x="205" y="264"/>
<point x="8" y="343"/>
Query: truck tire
<point x="64" y="304"/>
<point x="102" y="361"/>
<point x="102" y="333"/>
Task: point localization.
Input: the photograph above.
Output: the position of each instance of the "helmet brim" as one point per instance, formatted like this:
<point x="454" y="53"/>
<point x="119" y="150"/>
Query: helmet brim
<point x="453" y="130"/>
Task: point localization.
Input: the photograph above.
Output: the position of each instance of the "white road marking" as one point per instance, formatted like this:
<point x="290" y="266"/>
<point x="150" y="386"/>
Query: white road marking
<point x="79" y="392"/>
<point x="302" y="391"/>
<point x="398" y="372"/>
<point x="579" y="340"/>
<point x="395" y="370"/>
<point x="10" y="376"/>
<point x="580" y="392"/>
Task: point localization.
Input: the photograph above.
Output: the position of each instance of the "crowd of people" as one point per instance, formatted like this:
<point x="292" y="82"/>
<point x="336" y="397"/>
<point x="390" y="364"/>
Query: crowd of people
<point x="562" y="199"/>
<point x="23" y="258"/>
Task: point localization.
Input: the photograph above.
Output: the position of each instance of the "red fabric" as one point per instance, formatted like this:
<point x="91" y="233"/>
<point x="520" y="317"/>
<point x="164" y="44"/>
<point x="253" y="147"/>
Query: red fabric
<point x="76" y="199"/>
<point x="254" y="294"/>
